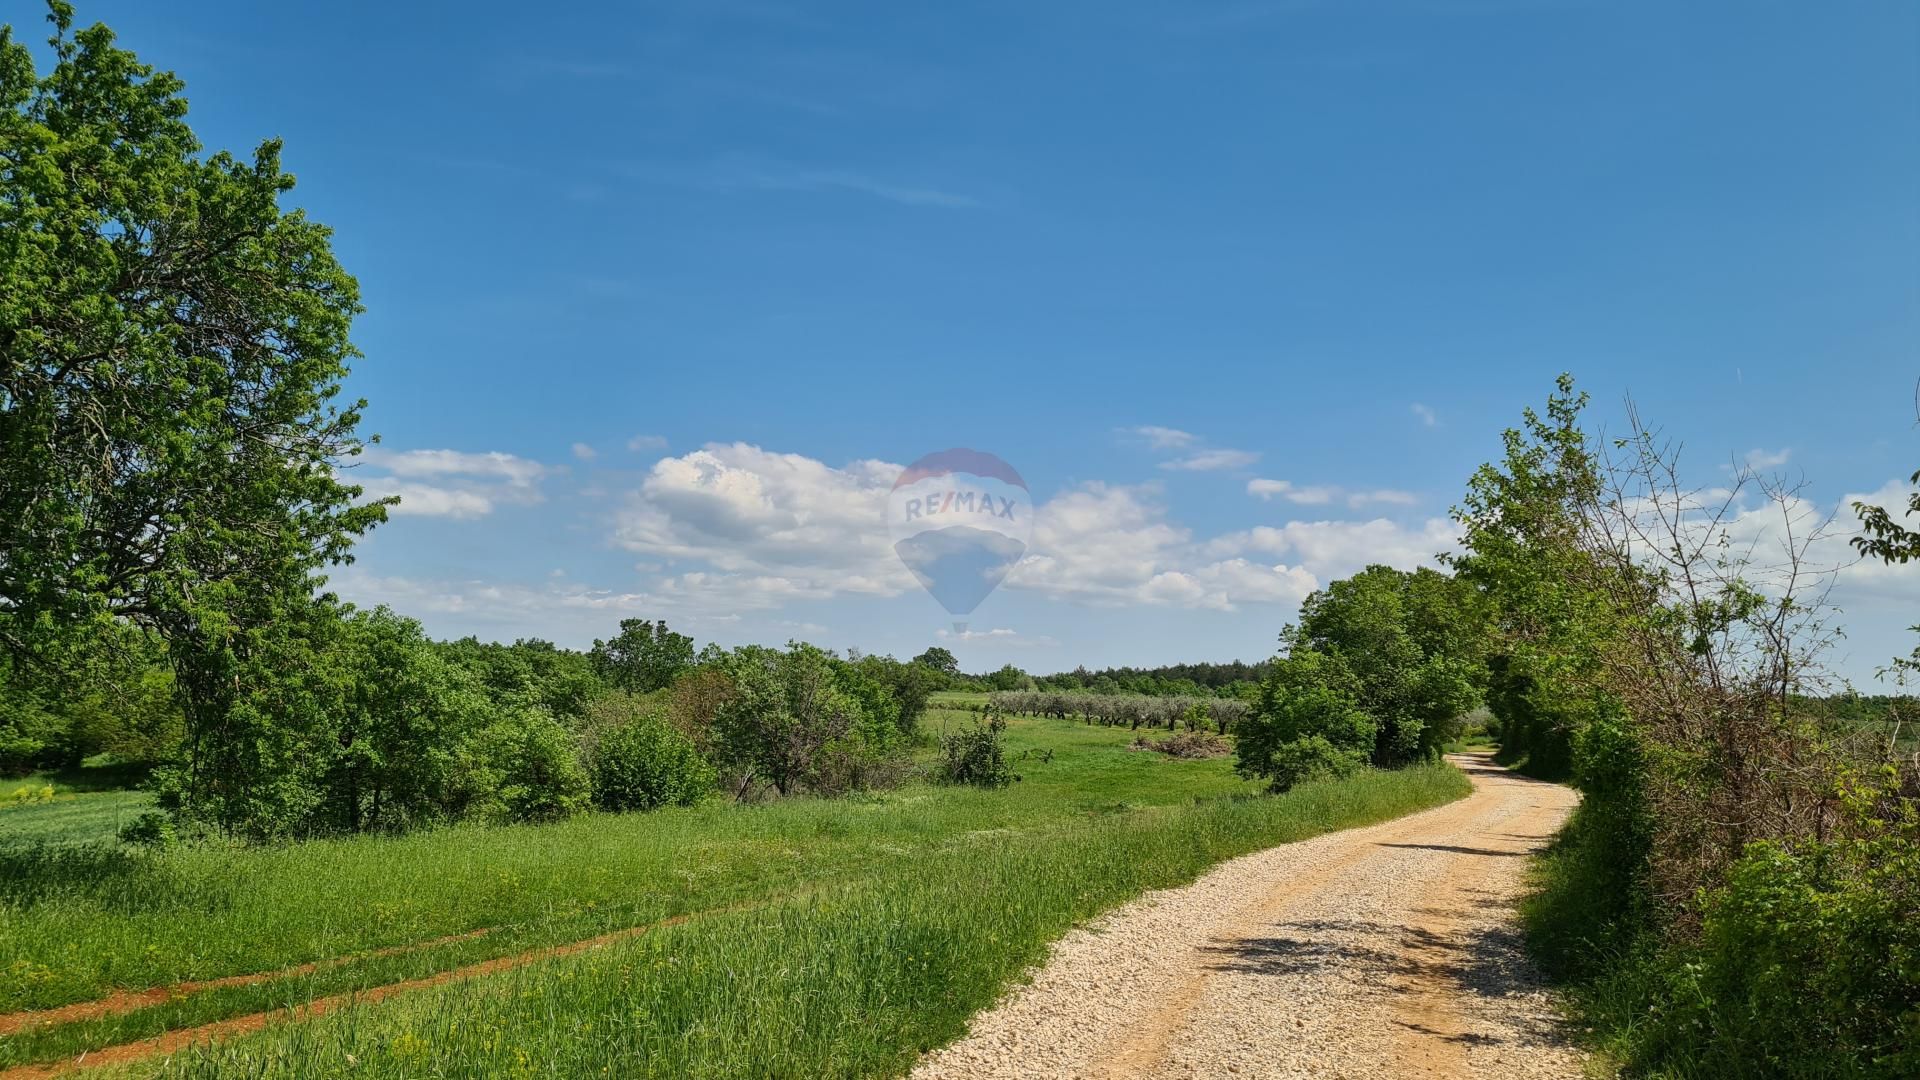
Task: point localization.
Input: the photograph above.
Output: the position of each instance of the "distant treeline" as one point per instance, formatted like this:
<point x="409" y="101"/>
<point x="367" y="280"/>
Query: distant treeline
<point x="1168" y="680"/>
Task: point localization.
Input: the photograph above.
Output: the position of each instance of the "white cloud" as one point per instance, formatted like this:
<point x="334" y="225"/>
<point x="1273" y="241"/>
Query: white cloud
<point x="1426" y="415"/>
<point x="647" y="442"/>
<point x="1335" y="549"/>
<point x="1163" y="438"/>
<point x="1113" y="546"/>
<point x="425" y="500"/>
<point x="1286" y="489"/>
<point x="1212" y="460"/>
<point x="1323" y="495"/>
<point x="998" y="636"/>
<point x="516" y="471"/>
<point x="464" y="485"/>
<point x="766" y="528"/>
<point x="1381" y="497"/>
<point x="747" y="511"/>
<point x="1767" y="459"/>
<point x="584" y="452"/>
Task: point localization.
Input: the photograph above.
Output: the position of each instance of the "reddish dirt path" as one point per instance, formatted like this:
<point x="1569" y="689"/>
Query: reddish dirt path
<point x="126" y="1001"/>
<point x="174" y="1041"/>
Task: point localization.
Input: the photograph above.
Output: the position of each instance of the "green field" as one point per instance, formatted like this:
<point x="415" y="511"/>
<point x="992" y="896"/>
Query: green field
<point x="912" y="908"/>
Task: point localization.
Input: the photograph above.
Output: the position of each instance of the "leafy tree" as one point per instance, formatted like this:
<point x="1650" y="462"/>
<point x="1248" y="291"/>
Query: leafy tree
<point x="1009" y="678"/>
<point x="908" y="688"/>
<point x="643" y="657"/>
<point x="941" y="660"/>
<point x="116" y="697"/>
<point x="1885" y="539"/>
<point x="172" y="344"/>
<point x="534" y="766"/>
<point x="531" y="672"/>
<point x="1412" y="644"/>
<point x="1522" y="520"/>
<point x="795" y="719"/>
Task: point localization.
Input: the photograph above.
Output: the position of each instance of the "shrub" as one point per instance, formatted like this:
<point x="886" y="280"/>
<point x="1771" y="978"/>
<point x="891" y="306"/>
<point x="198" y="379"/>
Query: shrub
<point x="153" y="829"/>
<point x="538" y="763"/>
<point x="27" y="795"/>
<point x="647" y="763"/>
<point x="1807" y="962"/>
<point x="1311" y="757"/>
<point x="977" y="756"/>
<point x="1304" y="727"/>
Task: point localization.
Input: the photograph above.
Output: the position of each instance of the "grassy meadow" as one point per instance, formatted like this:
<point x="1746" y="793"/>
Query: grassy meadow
<point x="809" y="936"/>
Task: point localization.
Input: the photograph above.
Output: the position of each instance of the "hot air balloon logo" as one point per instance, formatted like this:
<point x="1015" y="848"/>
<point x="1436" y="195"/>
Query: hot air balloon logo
<point x="959" y="520"/>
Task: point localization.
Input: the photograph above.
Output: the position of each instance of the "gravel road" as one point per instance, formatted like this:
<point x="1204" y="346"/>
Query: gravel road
<point x="1381" y="952"/>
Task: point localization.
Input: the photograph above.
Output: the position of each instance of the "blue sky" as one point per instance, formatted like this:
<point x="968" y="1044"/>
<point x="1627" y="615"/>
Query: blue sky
<point x="658" y="294"/>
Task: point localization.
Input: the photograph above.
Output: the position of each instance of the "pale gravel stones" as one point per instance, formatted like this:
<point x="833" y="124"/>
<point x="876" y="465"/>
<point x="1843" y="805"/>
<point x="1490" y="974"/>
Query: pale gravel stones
<point x="1387" y="951"/>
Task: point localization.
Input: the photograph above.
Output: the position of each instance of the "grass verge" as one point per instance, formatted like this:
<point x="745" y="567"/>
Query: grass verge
<point x="855" y="979"/>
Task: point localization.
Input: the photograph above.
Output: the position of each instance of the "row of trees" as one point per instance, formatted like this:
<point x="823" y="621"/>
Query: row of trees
<point x="1124" y="710"/>
<point x="387" y="730"/>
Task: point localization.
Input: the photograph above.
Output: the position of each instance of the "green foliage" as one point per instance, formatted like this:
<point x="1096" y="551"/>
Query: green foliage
<point x="152" y="829"/>
<point x="529" y="672"/>
<point x="1885" y="539"/>
<point x="538" y="765"/>
<point x="939" y="660"/>
<point x="372" y="727"/>
<point x="1523" y="519"/>
<point x="977" y="756"/>
<point x="172" y="345"/>
<point x="910" y="686"/>
<point x="1808" y="962"/>
<point x="1410" y="648"/>
<point x="1307" y="725"/>
<point x="803" y="719"/>
<point x="115" y="698"/>
<point x="644" y="656"/>
<point x="1009" y="678"/>
<point x="646" y="764"/>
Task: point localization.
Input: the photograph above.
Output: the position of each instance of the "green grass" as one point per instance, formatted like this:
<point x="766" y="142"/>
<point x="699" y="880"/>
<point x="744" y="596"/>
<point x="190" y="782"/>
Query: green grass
<point x="71" y="818"/>
<point x="855" y="980"/>
<point x="77" y="921"/>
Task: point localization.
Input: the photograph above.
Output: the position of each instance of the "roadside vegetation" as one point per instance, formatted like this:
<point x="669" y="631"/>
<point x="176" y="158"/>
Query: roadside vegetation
<point x="1739" y="891"/>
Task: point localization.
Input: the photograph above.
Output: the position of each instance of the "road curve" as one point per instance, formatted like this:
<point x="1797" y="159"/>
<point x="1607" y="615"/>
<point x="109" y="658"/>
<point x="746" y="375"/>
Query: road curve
<point x="1386" y="951"/>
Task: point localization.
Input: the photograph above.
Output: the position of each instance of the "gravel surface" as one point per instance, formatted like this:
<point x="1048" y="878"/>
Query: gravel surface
<point x="1387" y="951"/>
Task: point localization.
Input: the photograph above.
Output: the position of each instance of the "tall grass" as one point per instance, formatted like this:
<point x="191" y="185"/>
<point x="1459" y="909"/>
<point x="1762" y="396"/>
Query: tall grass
<point x="854" y="980"/>
<point x="77" y="921"/>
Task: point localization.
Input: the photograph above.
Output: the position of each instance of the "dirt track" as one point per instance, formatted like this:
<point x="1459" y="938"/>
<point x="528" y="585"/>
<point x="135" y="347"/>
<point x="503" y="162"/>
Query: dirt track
<point x="1387" y="951"/>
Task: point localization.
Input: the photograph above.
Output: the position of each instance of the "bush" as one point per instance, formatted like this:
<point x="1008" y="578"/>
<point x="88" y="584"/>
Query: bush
<point x="1311" y="757"/>
<point x="538" y="763"/>
<point x="1307" y="725"/>
<point x="1807" y="963"/>
<point x="153" y="829"/>
<point x="977" y="756"/>
<point x="803" y="720"/>
<point x="646" y="764"/>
